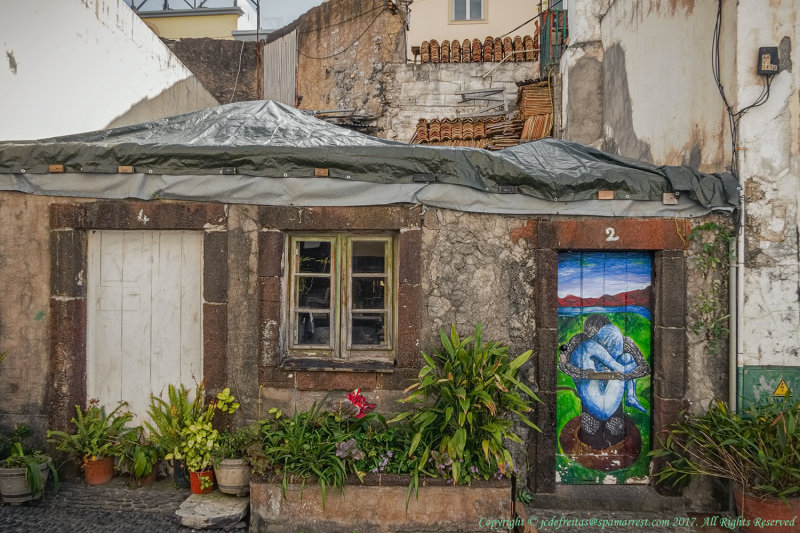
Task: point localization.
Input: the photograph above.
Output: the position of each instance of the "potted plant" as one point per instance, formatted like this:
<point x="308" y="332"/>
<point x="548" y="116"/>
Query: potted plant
<point x="198" y="440"/>
<point x="97" y="439"/>
<point x="757" y="450"/>
<point x="140" y="456"/>
<point x="23" y="473"/>
<point x="168" y="418"/>
<point x="231" y="469"/>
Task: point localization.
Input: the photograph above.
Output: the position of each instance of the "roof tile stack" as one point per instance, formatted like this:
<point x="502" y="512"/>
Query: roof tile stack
<point x="494" y="133"/>
<point x="515" y="48"/>
<point x="535" y="107"/>
<point x="455" y="52"/>
<point x="471" y="132"/>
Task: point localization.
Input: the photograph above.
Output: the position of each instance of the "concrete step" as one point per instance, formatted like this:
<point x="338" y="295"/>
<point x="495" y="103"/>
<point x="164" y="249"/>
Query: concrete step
<point x="214" y="511"/>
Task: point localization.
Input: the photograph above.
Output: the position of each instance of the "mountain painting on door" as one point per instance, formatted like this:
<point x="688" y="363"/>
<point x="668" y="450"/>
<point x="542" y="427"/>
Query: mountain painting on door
<point x="604" y="341"/>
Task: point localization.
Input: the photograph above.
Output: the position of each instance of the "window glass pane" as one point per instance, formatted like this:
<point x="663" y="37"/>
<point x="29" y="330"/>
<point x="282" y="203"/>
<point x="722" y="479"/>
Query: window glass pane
<point x="368" y="328"/>
<point x="459" y="9"/>
<point x="475" y="11"/>
<point x="313" y="292"/>
<point x="313" y="329"/>
<point x="314" y="256"/>
<point x="369" y="256"/>
<point x="368" y="293"/>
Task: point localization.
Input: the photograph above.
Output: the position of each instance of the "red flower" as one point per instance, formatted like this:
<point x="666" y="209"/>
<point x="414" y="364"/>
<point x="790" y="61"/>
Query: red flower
<point x="357" y="399"/>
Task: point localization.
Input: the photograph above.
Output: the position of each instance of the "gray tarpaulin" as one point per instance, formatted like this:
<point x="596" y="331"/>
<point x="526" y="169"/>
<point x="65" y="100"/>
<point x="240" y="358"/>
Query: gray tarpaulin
<point x="266" y="153"/>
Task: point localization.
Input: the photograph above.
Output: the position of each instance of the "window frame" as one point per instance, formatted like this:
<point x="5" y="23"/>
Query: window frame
<point x="340" y="347"/>
<point x="467" y="18"/>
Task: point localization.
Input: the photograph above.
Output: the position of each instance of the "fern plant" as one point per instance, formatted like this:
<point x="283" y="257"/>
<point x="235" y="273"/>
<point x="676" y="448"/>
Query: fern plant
<point x="97" y="434"/>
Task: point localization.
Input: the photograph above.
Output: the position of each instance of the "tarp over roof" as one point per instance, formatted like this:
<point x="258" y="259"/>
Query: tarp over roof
<point x="221" y="152"/>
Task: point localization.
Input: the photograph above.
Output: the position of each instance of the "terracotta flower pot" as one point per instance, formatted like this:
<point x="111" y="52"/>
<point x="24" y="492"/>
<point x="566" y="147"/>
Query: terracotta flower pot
<point x="758" y="512"/>
<point x="98" y="471"/>
<point x="194" y="480"/>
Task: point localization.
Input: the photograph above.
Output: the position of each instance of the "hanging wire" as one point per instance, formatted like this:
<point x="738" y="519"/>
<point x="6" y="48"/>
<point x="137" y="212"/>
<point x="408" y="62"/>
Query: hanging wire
<point x="345" y="49"/>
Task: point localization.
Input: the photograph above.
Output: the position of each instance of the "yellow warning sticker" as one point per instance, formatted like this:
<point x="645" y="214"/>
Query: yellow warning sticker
<point x="782" y="390"/>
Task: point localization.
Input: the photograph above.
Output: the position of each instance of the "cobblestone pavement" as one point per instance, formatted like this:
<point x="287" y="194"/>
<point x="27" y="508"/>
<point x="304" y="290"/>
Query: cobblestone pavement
<point x="112" y="507"/>
<point x="115" y="508"/>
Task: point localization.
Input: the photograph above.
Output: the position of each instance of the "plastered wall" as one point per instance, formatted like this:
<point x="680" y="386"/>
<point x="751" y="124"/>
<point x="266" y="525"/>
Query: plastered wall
<point x="75" y="66"/>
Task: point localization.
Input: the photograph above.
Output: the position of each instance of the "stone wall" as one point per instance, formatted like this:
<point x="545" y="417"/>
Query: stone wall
<point x="430" y="90"/>
<point x="345" y="52"/>
<point x="222" y="66"/>
<point x="454" y="268"/>
<point x="351" y="55"/>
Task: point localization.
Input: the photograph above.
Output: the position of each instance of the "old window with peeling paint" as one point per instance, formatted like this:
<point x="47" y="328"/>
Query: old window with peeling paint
<point x="341" y="296"/>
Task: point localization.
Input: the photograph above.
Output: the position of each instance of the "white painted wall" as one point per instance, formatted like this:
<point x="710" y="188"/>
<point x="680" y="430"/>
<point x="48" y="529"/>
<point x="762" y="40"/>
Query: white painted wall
<point x="79" y="65"/>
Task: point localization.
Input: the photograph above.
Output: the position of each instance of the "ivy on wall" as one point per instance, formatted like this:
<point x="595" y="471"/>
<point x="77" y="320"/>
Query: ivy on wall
<point x="713" y="261"/>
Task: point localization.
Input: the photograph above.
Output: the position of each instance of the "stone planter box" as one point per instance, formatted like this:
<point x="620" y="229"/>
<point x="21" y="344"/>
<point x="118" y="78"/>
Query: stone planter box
<point x="378" y="506"/>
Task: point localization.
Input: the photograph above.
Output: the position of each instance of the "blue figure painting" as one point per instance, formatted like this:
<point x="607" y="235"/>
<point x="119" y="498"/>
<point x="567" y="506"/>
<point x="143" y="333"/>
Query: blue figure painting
<point x="604" y="372"/>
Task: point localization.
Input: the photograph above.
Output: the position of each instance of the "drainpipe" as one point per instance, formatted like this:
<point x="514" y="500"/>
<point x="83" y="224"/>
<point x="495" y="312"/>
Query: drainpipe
<point x="733" y="318"/>
<point x="739" y="301"/>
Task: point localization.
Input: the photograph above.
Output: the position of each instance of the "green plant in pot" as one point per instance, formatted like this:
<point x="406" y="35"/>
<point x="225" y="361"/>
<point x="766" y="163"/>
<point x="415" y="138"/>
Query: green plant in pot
<point x="466" y="393"/>
<point x="97" y="439"/>
<point x="23" y="472"/>
<point x="231" y="468"/>
<point x="140" y="456"/>
<point x="169" y="417"/>
<point x="758" y="450"/>
<point x="198" y="440"/>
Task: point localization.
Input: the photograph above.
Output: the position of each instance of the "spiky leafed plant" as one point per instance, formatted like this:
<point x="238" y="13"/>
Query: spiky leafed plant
<point x="466" y="392"/>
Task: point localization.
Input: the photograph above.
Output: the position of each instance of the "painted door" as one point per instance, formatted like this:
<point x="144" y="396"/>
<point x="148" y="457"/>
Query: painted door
<point x="144" y="327"/>
<point x="603" y="397"/>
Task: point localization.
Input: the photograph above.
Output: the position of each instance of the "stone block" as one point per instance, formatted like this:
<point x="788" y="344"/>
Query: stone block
<point x="409" y="317"/>
<point x="630" y="234"/>
<point x="67" y="359"/>
<point x="212" y="511"/>
<point x="215" y="266"/>
<point x="377" y="509"/>
<point x="337" y="218"/>
<point x="215" y="341"/>
<point x="670" y="289"/>
<point x="546" y="356"/>
<point x="68" y="263"/>
<point x="547" y="289"/>
<point x="270" y="253"/>
<point x="410" y="246"/>
<point x="669" y="362"/>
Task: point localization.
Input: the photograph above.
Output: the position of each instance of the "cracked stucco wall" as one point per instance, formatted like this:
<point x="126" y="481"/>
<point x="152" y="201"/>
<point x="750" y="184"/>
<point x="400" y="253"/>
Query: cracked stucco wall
<point x="769" y="161"/>
<point x="632" y="88"/>
<point x="25" y="314"/>
<point x="480" y="268"/>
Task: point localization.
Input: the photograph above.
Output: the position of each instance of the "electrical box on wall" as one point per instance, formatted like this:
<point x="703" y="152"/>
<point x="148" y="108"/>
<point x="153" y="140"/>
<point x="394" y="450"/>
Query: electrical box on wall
<point x="767" y="61"/>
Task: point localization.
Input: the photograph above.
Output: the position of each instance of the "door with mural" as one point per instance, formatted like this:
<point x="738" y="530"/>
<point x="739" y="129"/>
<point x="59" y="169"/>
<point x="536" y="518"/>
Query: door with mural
<point x="604" y="341"/>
